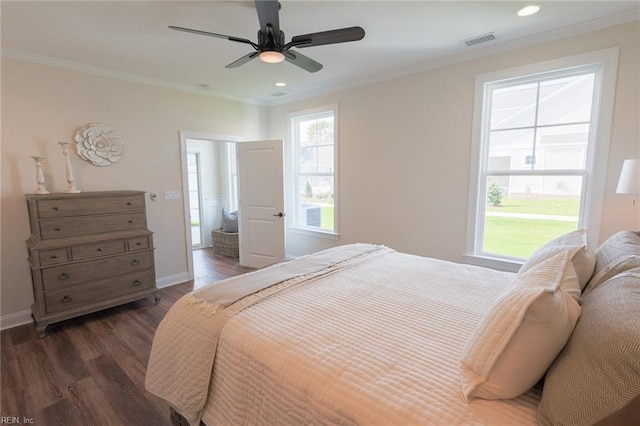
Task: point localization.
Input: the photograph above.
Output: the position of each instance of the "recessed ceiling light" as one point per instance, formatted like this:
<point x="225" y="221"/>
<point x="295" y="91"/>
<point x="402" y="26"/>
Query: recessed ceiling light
<point x="529" y="10"/>
<point x="281" y="84"/>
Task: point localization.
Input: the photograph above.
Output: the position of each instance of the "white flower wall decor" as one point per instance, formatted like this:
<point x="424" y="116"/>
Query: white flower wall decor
<point x="99" y="144"/>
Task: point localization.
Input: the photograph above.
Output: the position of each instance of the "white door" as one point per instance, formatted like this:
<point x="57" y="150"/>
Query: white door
<point x="261" y="202"/>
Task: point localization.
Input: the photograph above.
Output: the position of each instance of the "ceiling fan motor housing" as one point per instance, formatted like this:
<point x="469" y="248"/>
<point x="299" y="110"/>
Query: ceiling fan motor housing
<point x="268" y="41"/>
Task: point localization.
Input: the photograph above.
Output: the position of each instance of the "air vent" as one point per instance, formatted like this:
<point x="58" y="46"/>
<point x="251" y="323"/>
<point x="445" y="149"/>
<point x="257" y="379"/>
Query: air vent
<point x="278" y="94"/>
<point x="479" y="39"/>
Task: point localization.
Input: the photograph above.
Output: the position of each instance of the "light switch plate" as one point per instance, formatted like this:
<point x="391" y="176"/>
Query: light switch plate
<point x="171" y="195"/>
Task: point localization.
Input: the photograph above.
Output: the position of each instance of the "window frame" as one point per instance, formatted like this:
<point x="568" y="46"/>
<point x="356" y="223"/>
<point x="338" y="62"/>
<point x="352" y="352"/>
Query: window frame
<point x="294" y="219"/>
<point x="595" y="171"/>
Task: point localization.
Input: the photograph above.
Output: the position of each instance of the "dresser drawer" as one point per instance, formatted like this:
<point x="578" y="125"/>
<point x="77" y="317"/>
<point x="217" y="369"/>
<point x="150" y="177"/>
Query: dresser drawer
<point x="78" y="273"/>
<point x="74" y="226"/>
<point x="138" y="243"/>
<point x="97" y="291"/>
<point x="89" y="206"/>
<point x="53" y="256"/>
<point x="101" y="248"/>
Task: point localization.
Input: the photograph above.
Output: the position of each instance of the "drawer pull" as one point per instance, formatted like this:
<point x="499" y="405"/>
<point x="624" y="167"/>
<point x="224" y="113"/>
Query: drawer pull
<point x="136" y="283"/>
<point x="130" y="221"/>
<point x="58" y="228"/>
<point x="138" y="243"/>
<point x="56" y="208"/>
<point x="63" y="276"/>
<point x="53" y="256"/>
<point x="135" y="262"/>
<point x="66" y="299"/>
<point x="128" y="203"/>
<point x="99" y="249"/>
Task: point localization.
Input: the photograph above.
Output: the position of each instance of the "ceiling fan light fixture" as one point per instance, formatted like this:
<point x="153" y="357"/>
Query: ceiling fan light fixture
<point x="271" y="57"/>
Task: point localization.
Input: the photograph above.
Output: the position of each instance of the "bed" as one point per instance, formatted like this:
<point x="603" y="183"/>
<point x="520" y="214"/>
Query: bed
<point x="362" y="334"/>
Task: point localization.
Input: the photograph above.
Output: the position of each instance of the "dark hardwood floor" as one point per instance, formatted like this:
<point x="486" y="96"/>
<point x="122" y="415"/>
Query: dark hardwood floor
<point x="91" y="370"/>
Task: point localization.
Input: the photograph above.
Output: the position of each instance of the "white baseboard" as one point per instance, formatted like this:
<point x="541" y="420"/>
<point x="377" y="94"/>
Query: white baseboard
<point x="16" y="319"/>
<point x="24" y="317"/>
<point x="172" y="280"/>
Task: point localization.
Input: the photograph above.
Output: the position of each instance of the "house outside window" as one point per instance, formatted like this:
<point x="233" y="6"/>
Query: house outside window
<point x="314" y="142"/>
<point x="540" y="147"/>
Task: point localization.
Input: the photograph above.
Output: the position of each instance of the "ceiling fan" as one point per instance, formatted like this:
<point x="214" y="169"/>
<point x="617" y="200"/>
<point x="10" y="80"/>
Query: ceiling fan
<point x="271" y="47"/>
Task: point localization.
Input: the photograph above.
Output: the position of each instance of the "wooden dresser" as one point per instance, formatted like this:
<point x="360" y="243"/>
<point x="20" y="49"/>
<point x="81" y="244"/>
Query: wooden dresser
<point x="87" y="252"/>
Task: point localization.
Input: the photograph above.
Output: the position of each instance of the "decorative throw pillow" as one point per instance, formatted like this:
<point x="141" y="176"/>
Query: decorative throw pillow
<point x="523" y="332"/>
<point x="229" y="221"/>
<point x="584" y="261"/>
<point x="619" y="253"/>
<point x="598" y="371"/>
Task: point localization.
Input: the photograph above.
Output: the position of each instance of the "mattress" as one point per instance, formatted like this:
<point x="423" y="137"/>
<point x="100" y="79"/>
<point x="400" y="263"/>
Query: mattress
<point x="370" y="339"/>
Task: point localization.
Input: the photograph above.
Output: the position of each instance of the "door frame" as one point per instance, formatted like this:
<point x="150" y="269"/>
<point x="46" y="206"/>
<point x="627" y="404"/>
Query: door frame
<point x="184" y="135"/>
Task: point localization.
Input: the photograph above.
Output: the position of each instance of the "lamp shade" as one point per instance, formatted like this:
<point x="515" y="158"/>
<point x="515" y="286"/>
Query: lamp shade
<point x="629" y="182"/>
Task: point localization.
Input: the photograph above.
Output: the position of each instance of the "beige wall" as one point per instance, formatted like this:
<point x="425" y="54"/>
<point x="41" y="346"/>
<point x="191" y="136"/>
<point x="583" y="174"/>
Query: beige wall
<point x="42" y="105"/>
<point x="405" y="149"/>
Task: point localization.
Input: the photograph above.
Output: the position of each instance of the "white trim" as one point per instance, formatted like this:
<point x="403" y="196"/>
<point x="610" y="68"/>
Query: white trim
<point x="493" y="263"/>
<point x="595" y="179"/>
<point x="171" y="280"/>
<point x="118" y="75"/>
<point x="477" y="52"/>
<point x="601" y="152"/>
<point x="16" y="319"/>
<point x="313" y="233"/>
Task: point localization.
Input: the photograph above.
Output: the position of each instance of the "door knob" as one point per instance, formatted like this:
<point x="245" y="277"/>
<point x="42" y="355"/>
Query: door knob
<point x="279" y="214"/>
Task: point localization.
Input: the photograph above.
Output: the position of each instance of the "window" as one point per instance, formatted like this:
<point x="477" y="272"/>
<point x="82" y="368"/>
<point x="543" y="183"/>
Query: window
<point x="536" y="139"/>
<point x="314" y="141"/>
<point x="232" y="177"/>
<point x="195" y="213"/>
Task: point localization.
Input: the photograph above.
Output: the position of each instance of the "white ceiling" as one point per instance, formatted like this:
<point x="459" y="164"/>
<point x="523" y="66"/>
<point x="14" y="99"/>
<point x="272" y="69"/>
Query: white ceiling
<point x="130" y="39"/>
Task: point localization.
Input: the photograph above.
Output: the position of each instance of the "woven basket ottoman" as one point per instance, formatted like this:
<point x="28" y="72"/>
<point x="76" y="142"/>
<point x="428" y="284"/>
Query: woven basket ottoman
<point x="225" y="243"/>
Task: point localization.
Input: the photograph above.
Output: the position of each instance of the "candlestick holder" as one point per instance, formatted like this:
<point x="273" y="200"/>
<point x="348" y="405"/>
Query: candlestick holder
<point x="39" y="175"/>
<point x="71" y="187"/>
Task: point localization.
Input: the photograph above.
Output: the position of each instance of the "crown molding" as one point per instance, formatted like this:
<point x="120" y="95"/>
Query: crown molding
<point x="477" y="53"/>
<point x="118" y="75"/>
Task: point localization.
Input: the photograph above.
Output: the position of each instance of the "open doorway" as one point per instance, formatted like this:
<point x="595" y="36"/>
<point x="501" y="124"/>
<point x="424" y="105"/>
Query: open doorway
<point x="209" y="184"/>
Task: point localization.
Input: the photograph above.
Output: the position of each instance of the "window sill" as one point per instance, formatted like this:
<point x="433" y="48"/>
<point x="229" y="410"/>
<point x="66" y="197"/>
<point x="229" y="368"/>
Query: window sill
<point x="312" y="233"/>
<point x="493" y="262"/>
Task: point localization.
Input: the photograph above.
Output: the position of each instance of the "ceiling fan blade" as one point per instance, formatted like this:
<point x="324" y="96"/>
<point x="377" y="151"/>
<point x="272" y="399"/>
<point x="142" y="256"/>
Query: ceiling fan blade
<point x="268" y="15"/>
<point x="246" y="58"/>
<point x="206" y="33"/>
<point x="341" y="35"/>
<point x="304" y="62"/>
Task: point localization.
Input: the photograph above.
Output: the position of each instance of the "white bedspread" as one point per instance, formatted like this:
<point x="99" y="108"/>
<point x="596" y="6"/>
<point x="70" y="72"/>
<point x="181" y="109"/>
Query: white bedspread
<point x="377" y="341"/>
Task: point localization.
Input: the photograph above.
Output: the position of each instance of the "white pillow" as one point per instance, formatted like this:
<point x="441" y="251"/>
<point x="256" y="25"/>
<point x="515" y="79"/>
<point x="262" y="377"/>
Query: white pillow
<point x="229" y="221"/>
<point x="584" y="260"/>
<point x="523" y="332"/>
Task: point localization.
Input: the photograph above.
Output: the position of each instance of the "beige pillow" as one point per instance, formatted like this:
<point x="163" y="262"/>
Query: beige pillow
<point x="523" y="332"/>
<point x="598" y="371"/>
<point x="619" y="253"/>
<point x="584" y="261"/>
